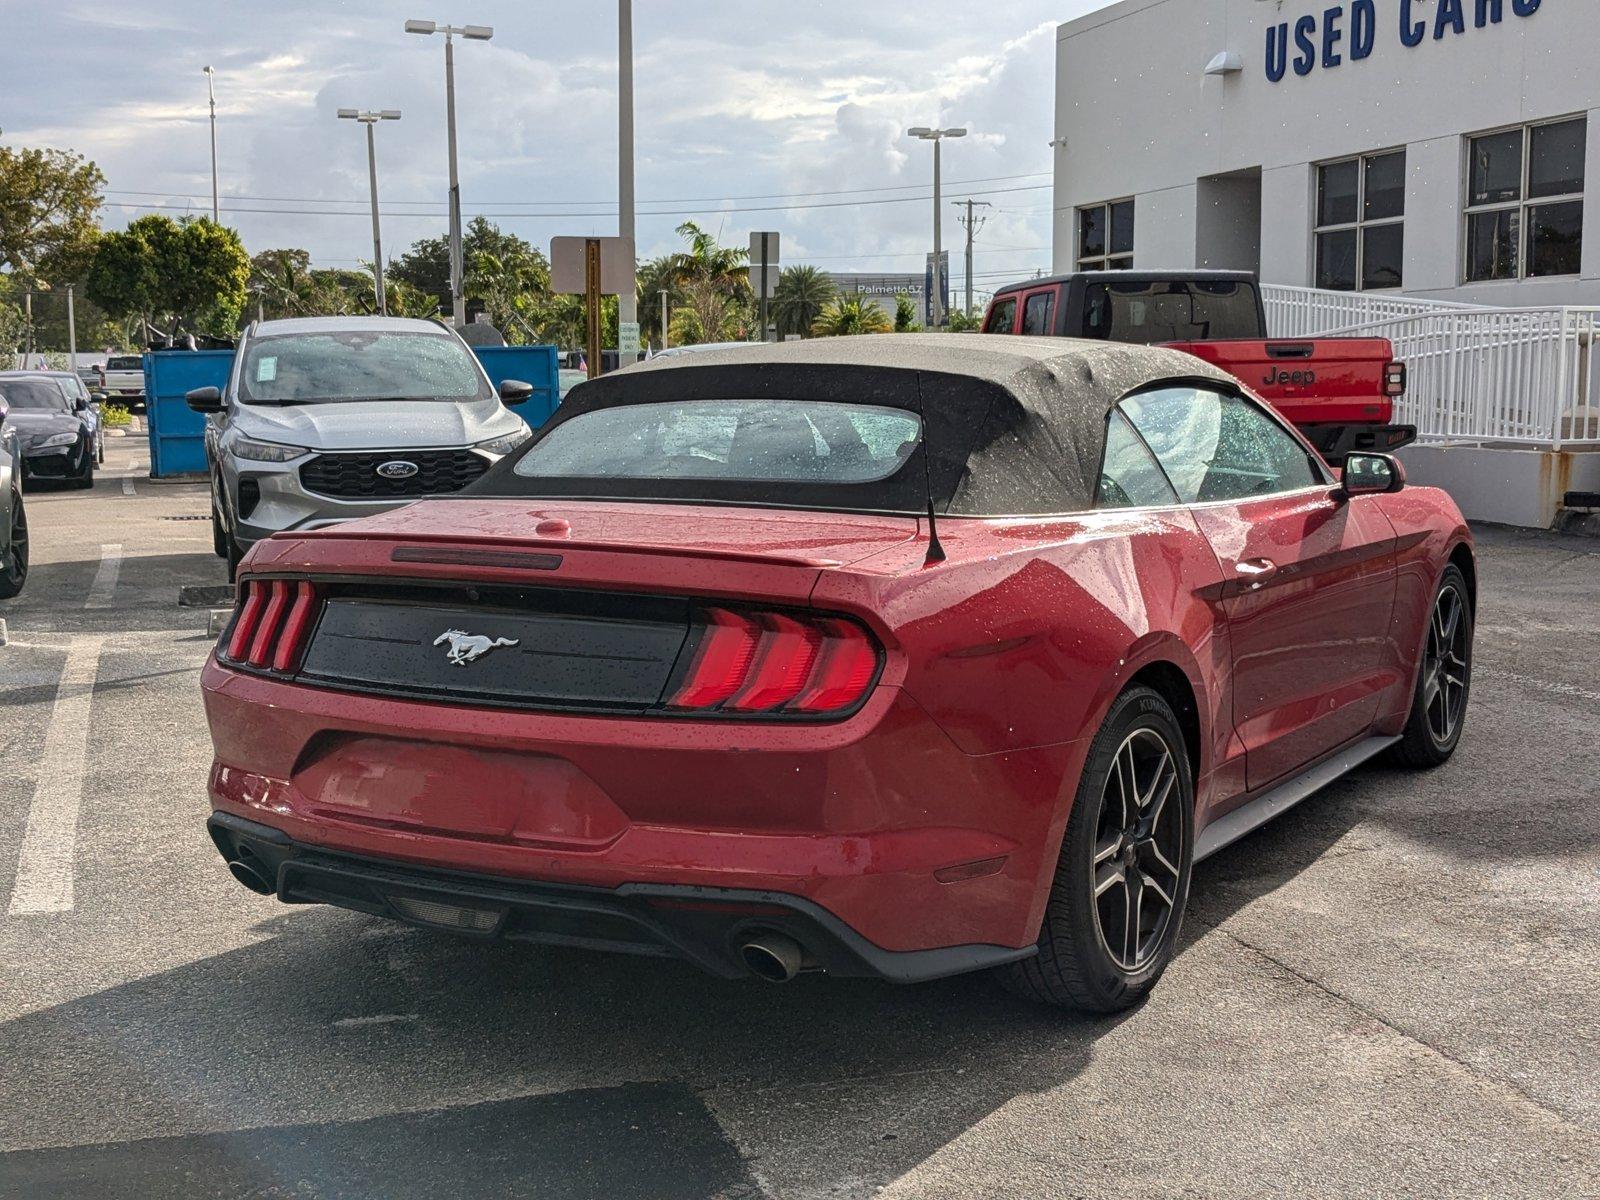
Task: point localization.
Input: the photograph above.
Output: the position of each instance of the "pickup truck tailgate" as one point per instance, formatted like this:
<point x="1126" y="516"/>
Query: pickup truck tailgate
<point x="1312" y="381"/>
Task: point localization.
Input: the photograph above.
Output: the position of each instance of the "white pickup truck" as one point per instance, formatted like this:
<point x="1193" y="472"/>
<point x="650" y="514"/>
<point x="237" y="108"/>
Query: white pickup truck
<point x="123" y="378"/>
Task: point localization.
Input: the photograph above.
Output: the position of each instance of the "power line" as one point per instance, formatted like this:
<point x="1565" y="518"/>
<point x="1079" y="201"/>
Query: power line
<point x="675" y="200"/>
<point x="662" y="212"/>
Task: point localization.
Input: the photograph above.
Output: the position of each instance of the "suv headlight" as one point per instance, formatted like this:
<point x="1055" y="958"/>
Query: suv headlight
<point x="506" y="444"/>
<point x="58" y="439"/>
<point x="265" y="451"/>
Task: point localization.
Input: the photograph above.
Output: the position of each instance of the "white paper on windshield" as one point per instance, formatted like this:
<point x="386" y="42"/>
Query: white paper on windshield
<point x="266" y="369"/>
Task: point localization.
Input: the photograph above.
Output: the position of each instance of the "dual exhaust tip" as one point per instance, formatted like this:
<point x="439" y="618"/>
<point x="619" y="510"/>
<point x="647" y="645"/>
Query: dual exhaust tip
<point x="250" y="877"/>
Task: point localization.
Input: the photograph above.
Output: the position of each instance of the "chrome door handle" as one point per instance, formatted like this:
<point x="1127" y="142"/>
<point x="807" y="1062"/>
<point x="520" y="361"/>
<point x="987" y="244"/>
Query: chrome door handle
<point x="1257" y="570"/>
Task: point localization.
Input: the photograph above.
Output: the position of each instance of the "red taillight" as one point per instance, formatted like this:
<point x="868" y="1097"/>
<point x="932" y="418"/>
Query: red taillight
<point x="772" y="663"/>
<point x="721" y="663"/>
<point x="274" y="619"/>
<point x="1394" y="379"/>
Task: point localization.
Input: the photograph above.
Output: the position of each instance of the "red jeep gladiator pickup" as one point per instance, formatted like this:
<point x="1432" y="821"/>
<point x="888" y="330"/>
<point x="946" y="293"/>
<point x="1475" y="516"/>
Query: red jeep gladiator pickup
<point x="1339" y="391"/>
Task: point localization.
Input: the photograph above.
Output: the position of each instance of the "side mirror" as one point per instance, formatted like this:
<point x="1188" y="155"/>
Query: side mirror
<point x="1372" y="475"/>
<point x="99" y="397"/>
<point x="514" y="391"/>
<point x="204" y="400"/>
<point x="80" y="405"/>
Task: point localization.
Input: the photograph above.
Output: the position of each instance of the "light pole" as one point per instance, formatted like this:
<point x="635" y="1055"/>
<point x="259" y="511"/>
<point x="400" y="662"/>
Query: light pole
<point x="477" y="33"/>
<point x="628" y="301"/>
<point x="370" y="118"/>
<point x="936" y="302"/>
<point x="211" y="96"/>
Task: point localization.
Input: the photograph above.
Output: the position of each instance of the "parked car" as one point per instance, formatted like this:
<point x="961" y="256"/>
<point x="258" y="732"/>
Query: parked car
<point x="1339" y="391"/>
<point x="84" y="401"/>
<point x="897" y="657"/>
<point x="57" y="436"/>
<point x="93" y="376"/>
<point x="123" y="379"/>
<point x="329" y="418"/>
<point x="13" y="515"/>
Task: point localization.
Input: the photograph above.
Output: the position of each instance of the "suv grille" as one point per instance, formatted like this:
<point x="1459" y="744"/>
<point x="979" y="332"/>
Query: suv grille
<point x="355" y="476"/>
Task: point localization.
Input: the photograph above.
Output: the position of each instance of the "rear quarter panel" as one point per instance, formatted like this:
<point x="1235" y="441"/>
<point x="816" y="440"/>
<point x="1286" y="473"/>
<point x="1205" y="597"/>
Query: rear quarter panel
<point x="1428" y="528"/>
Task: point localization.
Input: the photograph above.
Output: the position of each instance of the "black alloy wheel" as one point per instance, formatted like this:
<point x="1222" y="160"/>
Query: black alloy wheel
<point x="14" y="569"/>
<point x="1138" y="845"/>
<point x="1444" y="678"/>
<point x="1116" y="906"/>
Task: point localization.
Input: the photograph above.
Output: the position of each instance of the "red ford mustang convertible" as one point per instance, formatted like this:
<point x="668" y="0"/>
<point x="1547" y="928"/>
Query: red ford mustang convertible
<point x="886" y="656"/>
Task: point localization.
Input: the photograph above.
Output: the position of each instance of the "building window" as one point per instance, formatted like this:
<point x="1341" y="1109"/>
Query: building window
<point x="1105" y="236"/>
<point x="1361" y="230"/>
<point x="1525" y="201"/>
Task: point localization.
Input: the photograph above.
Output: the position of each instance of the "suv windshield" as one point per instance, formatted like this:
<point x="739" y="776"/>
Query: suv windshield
<point x="758" y="441"/>
<point x="1186" y="310"/>
<point x="366" y="364"/>
<point x="36" y="394"/>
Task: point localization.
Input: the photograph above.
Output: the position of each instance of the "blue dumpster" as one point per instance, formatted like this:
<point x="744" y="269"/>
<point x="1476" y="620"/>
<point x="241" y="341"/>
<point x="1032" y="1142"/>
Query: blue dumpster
<point x="177" y="433"/>
<point x="530" y="364"/>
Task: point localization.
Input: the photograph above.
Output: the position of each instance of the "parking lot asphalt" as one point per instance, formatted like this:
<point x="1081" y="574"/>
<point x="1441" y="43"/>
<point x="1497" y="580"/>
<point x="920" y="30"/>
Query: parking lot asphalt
<point x="1395" y="990"/>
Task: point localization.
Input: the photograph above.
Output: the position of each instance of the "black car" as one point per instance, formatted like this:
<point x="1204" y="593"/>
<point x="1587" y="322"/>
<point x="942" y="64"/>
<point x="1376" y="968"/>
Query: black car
<point x="55" y="435"/>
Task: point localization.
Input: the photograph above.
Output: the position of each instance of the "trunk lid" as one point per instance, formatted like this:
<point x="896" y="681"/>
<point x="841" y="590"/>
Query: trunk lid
<point x="1309" y="380"/>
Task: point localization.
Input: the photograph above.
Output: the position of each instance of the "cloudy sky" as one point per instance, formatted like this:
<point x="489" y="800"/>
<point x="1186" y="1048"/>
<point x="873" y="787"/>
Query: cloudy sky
<point x="740" y="106"/>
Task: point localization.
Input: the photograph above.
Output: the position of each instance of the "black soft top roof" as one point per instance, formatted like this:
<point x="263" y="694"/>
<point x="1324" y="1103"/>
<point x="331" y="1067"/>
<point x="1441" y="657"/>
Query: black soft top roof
<point x="1014" y="425"/>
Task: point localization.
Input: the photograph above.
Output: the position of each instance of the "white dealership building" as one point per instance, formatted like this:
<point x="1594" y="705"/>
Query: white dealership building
<point x="1440" y="148"/>
<point x="1398" y="156"/>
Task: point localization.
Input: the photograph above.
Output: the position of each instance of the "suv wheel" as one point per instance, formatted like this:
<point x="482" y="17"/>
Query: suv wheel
<point x="1122" y="882"/>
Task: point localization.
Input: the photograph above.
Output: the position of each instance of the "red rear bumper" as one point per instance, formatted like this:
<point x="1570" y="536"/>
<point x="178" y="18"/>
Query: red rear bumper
<point x="858" y="818"/>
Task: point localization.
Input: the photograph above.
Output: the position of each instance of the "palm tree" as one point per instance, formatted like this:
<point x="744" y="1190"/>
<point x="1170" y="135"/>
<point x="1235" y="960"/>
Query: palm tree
<point x="798" y="300"/>
<point x="850" y="315"/>
<point x="655" y="276"/>
<point x="713" y="285"/>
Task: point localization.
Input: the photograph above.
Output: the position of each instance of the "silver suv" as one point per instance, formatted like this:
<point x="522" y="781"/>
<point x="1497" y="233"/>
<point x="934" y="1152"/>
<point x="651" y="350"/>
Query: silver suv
<point x="330" y="418"/>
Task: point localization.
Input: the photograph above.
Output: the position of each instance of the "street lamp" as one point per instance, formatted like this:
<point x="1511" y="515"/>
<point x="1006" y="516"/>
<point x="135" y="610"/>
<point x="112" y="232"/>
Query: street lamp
<point x="936" y="302"/>
<point x="476" y="33"/>
<point x="211" y="96"/>
<point x="628" y="301"/>
<point x="370" y="118"/>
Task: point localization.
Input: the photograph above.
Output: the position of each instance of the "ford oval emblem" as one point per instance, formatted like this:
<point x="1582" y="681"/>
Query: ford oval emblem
<point x="397" y="468"/>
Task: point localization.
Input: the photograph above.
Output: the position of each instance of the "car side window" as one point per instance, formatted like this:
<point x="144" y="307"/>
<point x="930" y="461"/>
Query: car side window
<point x="1002" y="316"/>
<point x="1214" y="446"/>
<point x="1130" y="477"/>
<point x="1036" y="311"/>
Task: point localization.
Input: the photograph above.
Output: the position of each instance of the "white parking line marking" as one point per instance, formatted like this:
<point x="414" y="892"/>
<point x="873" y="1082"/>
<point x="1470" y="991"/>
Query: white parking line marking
<point x="105" y="577"/>
<point x="49" y="846"/>
<point x="127" y="485"/>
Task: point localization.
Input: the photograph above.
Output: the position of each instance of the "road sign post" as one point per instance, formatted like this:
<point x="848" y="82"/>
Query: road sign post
<point x="595" y="267"/>
<point x="763" y="273"/>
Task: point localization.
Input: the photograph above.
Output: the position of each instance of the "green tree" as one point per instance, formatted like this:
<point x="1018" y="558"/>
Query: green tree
<point x="189" y="276"/>
<point x="798" y="300"/>
<point x="965" y="322"/>
<point x="848" y="315"/>
<point x="713" y="289"/>
<point x="655" y="276"/>
<point x="905" y="315"/>
<point x="49" y="205"/>
<point x="426" y="265"/>
<point x="278" y="279"/>
<point x="513" y="286"/>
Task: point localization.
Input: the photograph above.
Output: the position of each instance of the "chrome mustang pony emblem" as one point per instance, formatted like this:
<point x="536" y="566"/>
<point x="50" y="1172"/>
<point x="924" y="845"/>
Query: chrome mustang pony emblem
<point x="469" y="647"/>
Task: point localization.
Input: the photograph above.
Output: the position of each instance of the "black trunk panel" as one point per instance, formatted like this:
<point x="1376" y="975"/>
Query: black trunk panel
<point x="515" y="646"/>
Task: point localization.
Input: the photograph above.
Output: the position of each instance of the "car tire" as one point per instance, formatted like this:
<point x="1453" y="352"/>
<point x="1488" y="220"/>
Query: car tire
<point x="1076" y="965"/>
<point x="84" y="480"/>
<point x="1444" y="678"/>
<point x="219" y="535"/>
<point x="14" y="568"/>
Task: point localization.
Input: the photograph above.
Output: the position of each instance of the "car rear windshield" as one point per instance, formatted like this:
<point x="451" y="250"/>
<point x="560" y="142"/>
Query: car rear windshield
<point x="130" y="362"/>
<point x="748" y="441"/>
<point x="367" y="364"/>
<point x="1176" y="310"/>
<point x="35" y="394"/>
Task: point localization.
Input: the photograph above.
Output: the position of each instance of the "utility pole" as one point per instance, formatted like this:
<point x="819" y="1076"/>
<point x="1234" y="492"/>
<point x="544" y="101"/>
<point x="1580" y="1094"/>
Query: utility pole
<point x="211" y="96"/>
<point x="664" y="321"/>
<point x="370" y="118"/>
<point x="628" y="299"/>
<point x="972" y="223"/>
<point x="72" y="332"/>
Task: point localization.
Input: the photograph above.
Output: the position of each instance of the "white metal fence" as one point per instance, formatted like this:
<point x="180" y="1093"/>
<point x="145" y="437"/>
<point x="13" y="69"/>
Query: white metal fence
<point x="1517" y="375"/>
<point x="1304" y="312"/>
